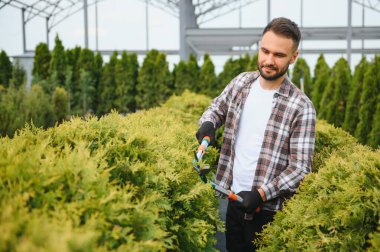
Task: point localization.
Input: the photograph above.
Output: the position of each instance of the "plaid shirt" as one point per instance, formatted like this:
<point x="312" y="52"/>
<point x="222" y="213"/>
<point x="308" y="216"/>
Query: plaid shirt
<point x="287" y="150"/>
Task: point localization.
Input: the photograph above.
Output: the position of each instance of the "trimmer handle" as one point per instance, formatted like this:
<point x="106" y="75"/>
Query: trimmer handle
<point x="203" y="147"/>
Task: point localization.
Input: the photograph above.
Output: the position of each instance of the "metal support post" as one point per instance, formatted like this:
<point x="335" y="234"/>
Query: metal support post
<point x="85" y="23"/>
<point x="349" y="32"/>
<point x="96" y="26"/>
<point x="268" y="9"/>
<point x="23" y="30"/>
<point x="147" y="24"/>
<point x="47" y="32"/>
<point x="187" y="20"/>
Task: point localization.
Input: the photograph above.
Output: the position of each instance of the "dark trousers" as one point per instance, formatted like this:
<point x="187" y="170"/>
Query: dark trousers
<point x="240" y="232"/>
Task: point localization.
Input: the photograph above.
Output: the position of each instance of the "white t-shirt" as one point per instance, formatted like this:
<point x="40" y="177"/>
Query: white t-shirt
<point x="250" y="134"/>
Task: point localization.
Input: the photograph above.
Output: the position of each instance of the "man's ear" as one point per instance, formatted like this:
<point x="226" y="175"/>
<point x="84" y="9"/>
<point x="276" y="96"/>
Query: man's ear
<point x="294" y="57"/>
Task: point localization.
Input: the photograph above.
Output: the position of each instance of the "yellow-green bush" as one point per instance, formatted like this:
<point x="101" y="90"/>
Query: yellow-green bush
<point x="114" y="183"/>
<point x="337" y="206"/>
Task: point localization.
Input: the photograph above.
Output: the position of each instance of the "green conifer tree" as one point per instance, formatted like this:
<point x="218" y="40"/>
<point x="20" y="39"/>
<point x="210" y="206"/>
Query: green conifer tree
<point x="72" y="72"/>
<point x="207" y="77"/>
<point x="252" y="66"/>
<point x="302" y="70"/>
<point x="132" y="77"/>
<point x="321" y="77"/>
<point x="351" y="119"/>
<point x="41" y="63"/>
<point x="368" y="104"/>
<point x="38" y="108"/>
<point x="374" y="136"/>
<point x="121" y="89"/>
<point x="107" y="86"/>
<point x="58" y="62"/>
<point x="5" y="69"/>
<point x="18" y="79"/>
<point x="83" y="96"/>
<point x="146" y="86"/>
<point x="98" y="76"/>
<point x="180" y="77"/>
<point x="334" y="100"/>
<point x="60" y="104"/>
<point x="193" y="74"/>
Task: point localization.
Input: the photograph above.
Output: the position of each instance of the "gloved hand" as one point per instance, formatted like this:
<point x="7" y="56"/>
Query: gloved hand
<point x="206" y="129"/>
<point x="251" y="200"/>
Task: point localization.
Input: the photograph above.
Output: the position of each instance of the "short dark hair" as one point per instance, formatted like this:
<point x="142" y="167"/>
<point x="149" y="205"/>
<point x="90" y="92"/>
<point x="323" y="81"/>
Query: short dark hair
<point x="285" y="27"/>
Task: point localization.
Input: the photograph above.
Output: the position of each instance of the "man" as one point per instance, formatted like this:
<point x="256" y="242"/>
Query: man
<point x="269" y="136"/>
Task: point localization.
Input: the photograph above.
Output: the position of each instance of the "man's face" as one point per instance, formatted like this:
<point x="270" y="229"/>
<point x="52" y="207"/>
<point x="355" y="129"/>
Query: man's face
<point x="276" y="53"/>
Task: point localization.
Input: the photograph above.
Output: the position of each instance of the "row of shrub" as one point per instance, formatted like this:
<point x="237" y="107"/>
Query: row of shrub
<point x="87" y="85"/>
<point x="337" y="207"/>
<point x="122" y="183"/>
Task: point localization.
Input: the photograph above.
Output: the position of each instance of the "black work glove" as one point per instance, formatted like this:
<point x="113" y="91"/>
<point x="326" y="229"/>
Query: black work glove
<point x="251" y="200"/>
<point x="207" y="129"/>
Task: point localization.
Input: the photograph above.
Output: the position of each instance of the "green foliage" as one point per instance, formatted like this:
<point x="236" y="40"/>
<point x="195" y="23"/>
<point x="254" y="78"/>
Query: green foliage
<point x="117" y="183"/>
<point x="97" y="77"/>
<point x="60" y="104"/>
<point x="107" y="86"/>
<point x="186" y="76"/>
<point x="368" y="102"/>
<point x="181" y="78"/>
<point x="5" y="69"/>
<point x="231" y="69"/>
<point x="252" y="66"/>
<point x="207" y="78"/>
<point x="351" y="119"/>
<point x="11" y="107"/>
<point x="154" y="82"/>
<point x="41" y="63"/>
<point x="18" y="75"/>
<point x="302" y="70"/>
<point x="193" y="71"/>
<point x="126" y="81"/>
<point x="37" y="108"/>
<point x="58" y="62"/>
<point x="334" y="99"/>
<point x="320" y="80"/>
<point x="335" y="209"/>
<point x="374" y="136"/>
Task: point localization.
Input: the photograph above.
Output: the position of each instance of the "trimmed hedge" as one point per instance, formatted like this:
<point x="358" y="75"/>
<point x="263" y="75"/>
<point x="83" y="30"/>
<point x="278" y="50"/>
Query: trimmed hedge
<point x="335" y="209"/>
<point x="114" y="183"/>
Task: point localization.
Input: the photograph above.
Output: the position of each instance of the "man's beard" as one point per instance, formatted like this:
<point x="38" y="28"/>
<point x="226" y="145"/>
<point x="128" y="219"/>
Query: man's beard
<point x="275" y="76"/>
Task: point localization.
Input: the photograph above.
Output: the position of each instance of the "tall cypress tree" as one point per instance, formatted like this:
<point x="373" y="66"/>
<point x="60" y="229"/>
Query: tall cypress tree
<point x="60" y="104"/>
<point x="83" y="96"/>
<point x="98" y="76"/>
<point x="351" y="119"/>
<point x="132" y="77"/>
<point x="72" y="72"/>
<point x="193" y="74"/>
<point x="181" y="77"/>
<point x="321" y="77"/>
<point x="154" y="82"/>
<point x="231" y="69"/>
<point x="334" y="100"/>
<point x="302" y="70"/>
<point x="121" y="83"/>
<point x="207" y="78"/>
<point x="57" y="68"/>
<point x="163" y="81"/>
<point x="107" y="86"/>
<point x="18" y="76"/>
<point x="146" y="87"/>
<point x="368" y="104"/>
<point x="374" y="136"/>
<point x="252" y="66"/>
<point x="41" y="63"/>
<point x="5" y="69"/>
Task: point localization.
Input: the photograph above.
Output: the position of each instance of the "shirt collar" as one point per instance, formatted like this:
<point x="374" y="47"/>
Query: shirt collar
<point x="284" y="89"/>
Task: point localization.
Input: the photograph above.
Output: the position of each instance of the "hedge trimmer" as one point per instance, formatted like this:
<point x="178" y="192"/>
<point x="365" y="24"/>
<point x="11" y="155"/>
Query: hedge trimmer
<point x="203" y="169"/>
